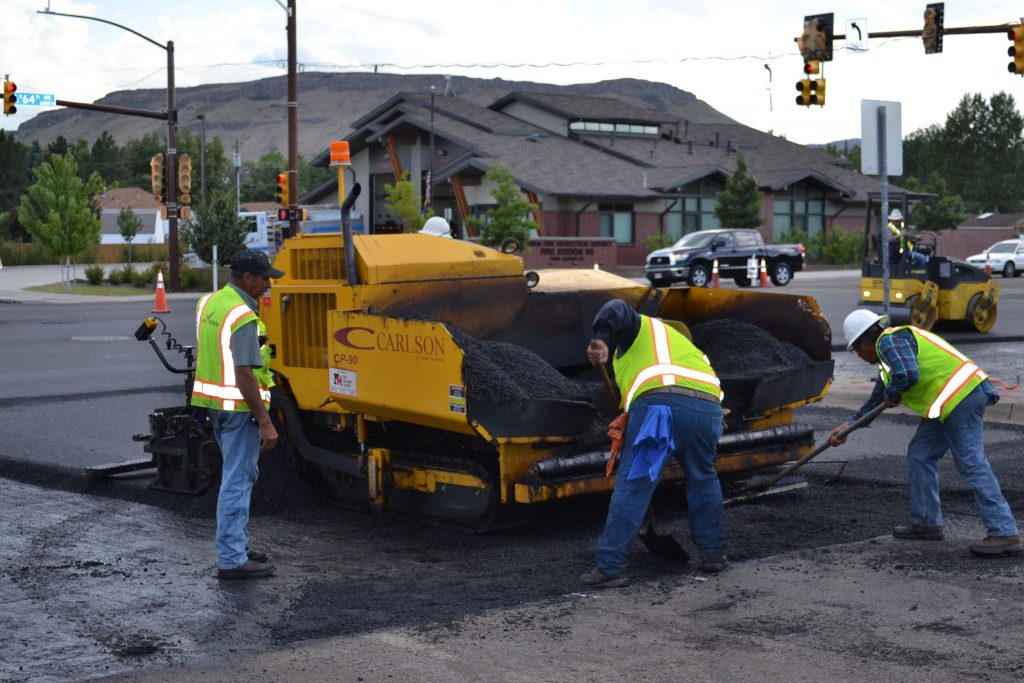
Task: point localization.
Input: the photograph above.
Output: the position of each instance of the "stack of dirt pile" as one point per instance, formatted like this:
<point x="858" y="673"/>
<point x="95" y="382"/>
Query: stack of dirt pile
<point x="498" y="372"/>
<point x="744" y="355"/>
<point x="737" y="348"/>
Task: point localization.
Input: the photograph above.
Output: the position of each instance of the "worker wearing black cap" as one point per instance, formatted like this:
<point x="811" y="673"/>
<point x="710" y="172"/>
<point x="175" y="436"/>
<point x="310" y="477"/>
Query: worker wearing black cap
<point x="232" y="384"/>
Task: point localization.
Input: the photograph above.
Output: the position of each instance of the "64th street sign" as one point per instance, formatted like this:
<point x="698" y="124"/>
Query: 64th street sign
<point x="35" y="99"/>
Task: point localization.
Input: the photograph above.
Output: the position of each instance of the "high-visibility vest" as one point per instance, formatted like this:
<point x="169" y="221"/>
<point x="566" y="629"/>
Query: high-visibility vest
<point x="218" y="316"/>
<point x="945" y="378"/>
<point x="662" y="357"/>
<point x="897" y="233"/>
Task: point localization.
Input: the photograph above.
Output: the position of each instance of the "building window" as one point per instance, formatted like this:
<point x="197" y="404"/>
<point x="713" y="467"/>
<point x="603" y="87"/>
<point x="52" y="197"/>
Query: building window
<point x="605" y="127"/>
<point x="694" y="210"/>
<point x="617" y="222"/>
<point x="800" y="207"/>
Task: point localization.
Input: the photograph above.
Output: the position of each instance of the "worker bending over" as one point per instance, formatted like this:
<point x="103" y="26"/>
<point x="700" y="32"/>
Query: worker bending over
<point x="950" y="393"/>
<point x="232" y="383"/>
<point x="673" y="402"/>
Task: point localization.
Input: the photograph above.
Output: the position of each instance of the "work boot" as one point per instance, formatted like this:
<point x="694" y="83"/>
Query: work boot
<point x="256" y="555"/>
<point x="997" y="545"/>
<point x="250" y="570"/>
<point x="595" y="579"/>
<point x="918" y="533"/>
<point x="713" y="564"/>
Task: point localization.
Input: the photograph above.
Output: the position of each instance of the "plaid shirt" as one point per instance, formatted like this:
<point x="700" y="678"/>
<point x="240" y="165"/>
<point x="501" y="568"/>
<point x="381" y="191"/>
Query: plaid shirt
<point x="899" y="351"/>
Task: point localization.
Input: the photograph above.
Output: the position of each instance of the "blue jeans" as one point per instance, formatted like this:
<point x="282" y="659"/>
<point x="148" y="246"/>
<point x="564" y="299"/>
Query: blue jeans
<point x="239" y="439"/>
<point x="696" y="428"/>
<point x="963" y="434"/>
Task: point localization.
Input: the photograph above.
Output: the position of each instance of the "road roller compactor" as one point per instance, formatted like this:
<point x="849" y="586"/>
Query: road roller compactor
<point x="435" y="377"/>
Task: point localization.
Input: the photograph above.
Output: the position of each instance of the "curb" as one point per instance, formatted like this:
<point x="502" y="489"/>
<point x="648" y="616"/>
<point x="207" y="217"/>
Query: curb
<point x="1009" y="410"/>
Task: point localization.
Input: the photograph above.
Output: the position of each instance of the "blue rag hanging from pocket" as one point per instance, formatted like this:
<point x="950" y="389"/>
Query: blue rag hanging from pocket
<point x="653" y="443"/>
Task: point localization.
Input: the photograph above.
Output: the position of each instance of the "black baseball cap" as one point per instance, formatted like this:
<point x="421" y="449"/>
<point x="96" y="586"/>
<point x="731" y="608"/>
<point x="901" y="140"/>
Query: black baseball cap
<point x="256" y="262"/>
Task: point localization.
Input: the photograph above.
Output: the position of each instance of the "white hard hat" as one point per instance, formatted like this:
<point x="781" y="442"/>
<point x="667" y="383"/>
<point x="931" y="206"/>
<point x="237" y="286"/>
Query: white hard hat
<point x="896" y="215"/>
<point x="857" y="323"/>
<point x="436" y="226"/>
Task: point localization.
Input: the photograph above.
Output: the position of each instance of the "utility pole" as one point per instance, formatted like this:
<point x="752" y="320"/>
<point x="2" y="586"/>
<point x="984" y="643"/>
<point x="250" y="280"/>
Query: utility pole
<point x="293" y="126"/>
<point x="202" y="158"/>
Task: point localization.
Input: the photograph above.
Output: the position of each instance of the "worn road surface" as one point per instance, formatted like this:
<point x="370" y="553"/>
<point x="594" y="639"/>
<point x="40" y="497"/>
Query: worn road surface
<point x="95" y="583"/>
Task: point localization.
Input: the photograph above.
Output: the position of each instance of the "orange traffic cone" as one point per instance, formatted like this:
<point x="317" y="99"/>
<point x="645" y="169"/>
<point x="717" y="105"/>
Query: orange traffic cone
<point x="714" y="275"/>
<point x="988" y="266"/>
<point x="764" y="274"/>
<point x="161" y="295"/>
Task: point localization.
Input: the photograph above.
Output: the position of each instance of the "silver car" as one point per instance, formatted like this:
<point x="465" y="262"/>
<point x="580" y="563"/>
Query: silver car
<point x="1006" y="257"/>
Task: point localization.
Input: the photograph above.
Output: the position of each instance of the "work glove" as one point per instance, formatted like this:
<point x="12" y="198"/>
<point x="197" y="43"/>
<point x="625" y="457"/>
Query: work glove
<point x="617" y="431"/>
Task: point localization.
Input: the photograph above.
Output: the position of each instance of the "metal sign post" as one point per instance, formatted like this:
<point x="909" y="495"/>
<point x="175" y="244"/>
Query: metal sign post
<point x="882" y="155"/>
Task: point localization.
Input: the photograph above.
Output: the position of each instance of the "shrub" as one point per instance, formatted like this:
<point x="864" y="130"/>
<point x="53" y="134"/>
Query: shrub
<point x="94" y="274"/>
<point x="141" y="278"/>
<point x="121" y="276"/>
<point x="188" y="279"/>
<point x="658" y="241"/>
<point x="839" y="247"/>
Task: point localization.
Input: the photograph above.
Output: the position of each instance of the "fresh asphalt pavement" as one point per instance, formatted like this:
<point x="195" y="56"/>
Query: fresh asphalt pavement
<point x="112" y="579"/>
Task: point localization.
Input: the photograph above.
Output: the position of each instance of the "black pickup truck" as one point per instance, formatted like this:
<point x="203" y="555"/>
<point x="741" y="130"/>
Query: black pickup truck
<point x="690" y="259"/>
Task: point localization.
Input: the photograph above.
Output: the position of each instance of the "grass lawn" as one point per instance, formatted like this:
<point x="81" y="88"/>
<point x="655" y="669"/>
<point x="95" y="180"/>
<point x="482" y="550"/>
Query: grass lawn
<point x="93" y="290"/>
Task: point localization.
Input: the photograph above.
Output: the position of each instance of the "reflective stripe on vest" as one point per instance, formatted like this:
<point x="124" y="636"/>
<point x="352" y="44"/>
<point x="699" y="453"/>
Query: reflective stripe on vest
<point x="960" y="372"/>
<point x="663" y="366"/>
<point x="217" y="387"/>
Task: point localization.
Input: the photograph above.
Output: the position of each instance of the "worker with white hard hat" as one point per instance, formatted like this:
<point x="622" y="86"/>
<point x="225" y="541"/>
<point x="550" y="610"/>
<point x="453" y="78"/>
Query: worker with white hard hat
<point x="904" y="246"/>
<point x="950" y="393"/>
<point x="436" y="225"/>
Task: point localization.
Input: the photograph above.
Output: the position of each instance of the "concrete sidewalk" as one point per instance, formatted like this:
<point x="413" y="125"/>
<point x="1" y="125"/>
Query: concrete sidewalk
<point x="15" y="281"/>
<point x="850" y="395"/>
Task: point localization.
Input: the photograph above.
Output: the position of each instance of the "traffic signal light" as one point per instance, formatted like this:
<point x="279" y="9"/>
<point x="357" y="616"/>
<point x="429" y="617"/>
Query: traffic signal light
<point x="803" y="86"/>
<point x="282" y="189"/>
<point x="10" y="99"/>
<point x="812" y="91"/>
<point x="812" y="67"/>
<point x="818" y="92"/>
<point x="931" y="34"/>
<point x="1016" y="34"/>
<point x="185" y="179"/>
<point x="156" y="176"/>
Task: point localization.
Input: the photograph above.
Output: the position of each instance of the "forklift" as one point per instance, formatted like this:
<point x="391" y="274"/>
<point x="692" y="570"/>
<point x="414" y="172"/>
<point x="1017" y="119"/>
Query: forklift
<point x="928" y="287"/>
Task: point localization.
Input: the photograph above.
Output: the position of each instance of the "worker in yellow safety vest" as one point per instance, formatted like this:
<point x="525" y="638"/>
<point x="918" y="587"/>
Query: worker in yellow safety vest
<point x="950" y="393"/>
<point x="672" y="401"/>
<point x="232" y="383"/>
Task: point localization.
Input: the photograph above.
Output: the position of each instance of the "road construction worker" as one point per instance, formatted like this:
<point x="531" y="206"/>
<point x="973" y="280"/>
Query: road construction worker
<point x="904" y="248"/>
<point x="436" y="225"/>
<point x="672" y="400"/>
<point x="950" y="393"/>
<point x="232" y="384"/>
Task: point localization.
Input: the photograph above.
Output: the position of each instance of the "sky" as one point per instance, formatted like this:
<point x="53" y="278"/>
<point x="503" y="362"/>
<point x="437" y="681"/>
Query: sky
<point x="716" y="49"/>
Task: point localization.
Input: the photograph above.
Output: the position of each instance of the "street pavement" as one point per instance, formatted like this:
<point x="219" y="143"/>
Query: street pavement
<point x="851" y="386"/>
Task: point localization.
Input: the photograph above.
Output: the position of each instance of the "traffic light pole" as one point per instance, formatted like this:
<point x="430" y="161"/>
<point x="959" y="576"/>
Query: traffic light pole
<point x="293" y="126"/>
<point x="171" y="116"/>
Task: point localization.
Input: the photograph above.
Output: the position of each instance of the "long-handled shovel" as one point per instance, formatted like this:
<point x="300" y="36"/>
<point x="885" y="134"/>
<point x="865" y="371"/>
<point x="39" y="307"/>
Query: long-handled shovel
<point x="662" y="545"/>
<point x="758" y="489"/>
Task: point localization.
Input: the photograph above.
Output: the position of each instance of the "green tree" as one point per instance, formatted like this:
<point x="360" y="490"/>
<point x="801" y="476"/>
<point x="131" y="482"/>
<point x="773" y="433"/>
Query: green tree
<point x="129" y="225"/>
<point x="217" y="223"/>
<point x="511" y="218"/>
<point x="939" y="213"/>
<point x="104" y="158"/>
<point x="312" y="177"/>
<point x="14" y="179"/>
<point x="259" y="179"/>
<point x="135" y="156"/>
<point x="738" y="205"/>
<point x="58" y="212"/>
<point x="403" y="205"/>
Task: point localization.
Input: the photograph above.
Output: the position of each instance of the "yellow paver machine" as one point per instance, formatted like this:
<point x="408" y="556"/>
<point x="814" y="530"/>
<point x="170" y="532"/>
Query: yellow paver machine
<point x="436" y="377"/>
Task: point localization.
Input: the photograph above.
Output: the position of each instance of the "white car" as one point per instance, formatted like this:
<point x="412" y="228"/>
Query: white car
<point x="1006" y="257"/>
